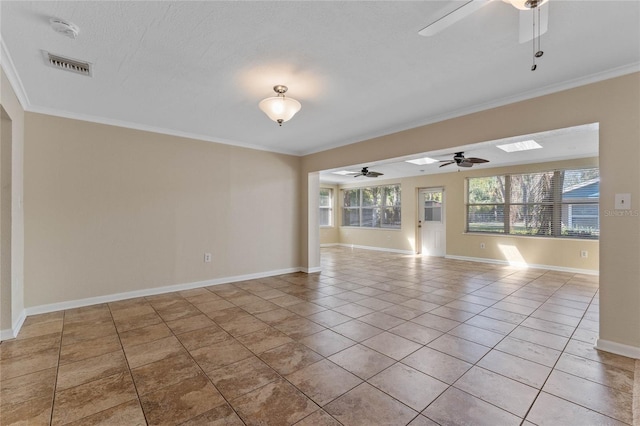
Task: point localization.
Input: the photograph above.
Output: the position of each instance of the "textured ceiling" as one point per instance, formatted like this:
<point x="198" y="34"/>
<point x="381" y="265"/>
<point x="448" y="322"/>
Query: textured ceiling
<point x="360" y="69"/>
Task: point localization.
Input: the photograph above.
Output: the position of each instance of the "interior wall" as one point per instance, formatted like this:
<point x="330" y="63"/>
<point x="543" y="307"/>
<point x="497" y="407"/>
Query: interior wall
<point x="15" y="114"/>
<point x="329" y="234"/>
<point x="5" y="217"/>
<point x="615" y="105"/>
<point x="554" y="252"/>
<point x="111" y="210"/>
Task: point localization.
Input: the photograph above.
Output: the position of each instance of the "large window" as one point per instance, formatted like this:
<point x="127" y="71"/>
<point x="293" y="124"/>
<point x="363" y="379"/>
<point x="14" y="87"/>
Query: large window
<point x="325" y="217"/>
<point x="561" y="203"/>
<point x="372" y="207"/>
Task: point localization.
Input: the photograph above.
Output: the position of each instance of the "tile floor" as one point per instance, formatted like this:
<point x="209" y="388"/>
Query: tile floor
<point x="377" y="338"/>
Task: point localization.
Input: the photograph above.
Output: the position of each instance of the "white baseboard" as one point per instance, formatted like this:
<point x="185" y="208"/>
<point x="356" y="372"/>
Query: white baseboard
<point x="71" y="304"/>
<point x="390" y="250"/>
<point x="618" y="348"/>
<point x="329" y="245"/>
<point x="313" y="270"/>
<point x="524" y="265"/>
<point x="11" y="333"/>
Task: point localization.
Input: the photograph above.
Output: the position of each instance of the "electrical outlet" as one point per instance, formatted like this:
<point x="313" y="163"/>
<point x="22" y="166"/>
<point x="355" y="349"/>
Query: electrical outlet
<point x="584" y="254"/>
<point x="207" y="258"/>
<point x="482" y="245"/>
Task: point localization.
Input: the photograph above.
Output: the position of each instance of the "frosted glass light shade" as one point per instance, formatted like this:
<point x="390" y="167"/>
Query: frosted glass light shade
<point x="279" y="108"/>
<point x="520" y="4"/>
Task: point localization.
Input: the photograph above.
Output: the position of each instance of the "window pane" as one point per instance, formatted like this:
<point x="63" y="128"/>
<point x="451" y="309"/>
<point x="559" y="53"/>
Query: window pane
<point x="351" y="217"/>
<point x="580" y="220"/>
<point x="486" y="190"/>
<point x="532" y="188"/>
<point x="531" y="219"/>
<point x="391" y="217"/>
<point x="325" y="197"/>
<point x="371" y="217"/>
<point x="350" y="198"/>
<point x="581" y="185"/>
<point x="433" y="214"/>
<point x="371" y="196"/>
<point x="391" y="196"/>
<point x="324" y="217"/>
<point x="489" y="218"/>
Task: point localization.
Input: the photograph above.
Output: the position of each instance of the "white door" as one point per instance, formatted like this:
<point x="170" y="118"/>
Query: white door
<point x="431" y="224"/>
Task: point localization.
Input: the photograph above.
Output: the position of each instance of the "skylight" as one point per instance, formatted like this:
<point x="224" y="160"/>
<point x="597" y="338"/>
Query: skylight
<point x="520" y="146"/>
<point x="344" y="173"/>
<point x="422" y="161"/>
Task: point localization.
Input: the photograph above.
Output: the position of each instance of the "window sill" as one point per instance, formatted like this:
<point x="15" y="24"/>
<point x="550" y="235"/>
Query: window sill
<point x="538" y="237"/>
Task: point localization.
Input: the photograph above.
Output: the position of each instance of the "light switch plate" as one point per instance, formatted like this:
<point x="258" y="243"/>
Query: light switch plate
<point x="623" y="202"/>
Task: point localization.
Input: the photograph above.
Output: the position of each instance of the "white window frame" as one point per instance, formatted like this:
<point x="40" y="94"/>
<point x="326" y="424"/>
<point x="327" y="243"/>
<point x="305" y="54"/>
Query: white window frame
<point x="329" y="208"/>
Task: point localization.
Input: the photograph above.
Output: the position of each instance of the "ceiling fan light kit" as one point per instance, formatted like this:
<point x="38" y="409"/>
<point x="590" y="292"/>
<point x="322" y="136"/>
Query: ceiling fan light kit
<point x="539" y="27"/>
<point x="280" y="108"/>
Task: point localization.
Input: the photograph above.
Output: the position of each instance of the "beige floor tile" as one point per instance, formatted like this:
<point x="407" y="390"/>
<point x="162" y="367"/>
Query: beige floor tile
<point x="165" y="372"/>
<point x="130" y="414"/>
<point x="381" y="320"/>
<point x="318" y="418"/>
<point x="260" y="306"/>
<point x="357" y="330"/>
<point x="18" y="348"/>
<point x="142" y="335"/>
<point x="366" y="405"/>
<point x="263" y="340"/>
<point x="531" y="351"/>
<point x="298" y="327"/>
<point x="416" y="333"/>
<point x="278" y="403"/>
<point x="203" y="337"/>
<point x="586" y="350"/>
<point x="184" y="325"/>
<point x="437" y="364"/>
<point x="516" y="368"/>
<point x="89" y="349"/>
<point x="36" y="385"/>
<point x="353" y="310"/>
<point x="77" y="332"/>
<point x="362" y="361"/>
<point x="218" y="355"/>
<point x="90" y="398"/>
<point x="455" y="407"/>
<point x="459" y="348"/>
<point x="590" y="395"/>
<point x="436" y="322"/>
<point x="131" y="323"/>
<point x="329" y="318"/>
<point x="242" y="377"/>
<point x="153" y="351"/>
<point x="549" y="340"/>
<point x="90" y="369"/>
<point x="27" y="364"/>
<point x="34" y="412"/>
<point x="327" y="342"/>
<point x="498" y="390"/>
<point x="491" y="324"/>
<point x="290" y="357"/>
<point x="452" y="314"/>
<point x="38" y="329"/>
<point x="604" y="374"/>
<point x="180" y="402"/>
<point x="409" y="386"/>
<point x="323" y="381"/>
<point x="549" y="410"/>
<point x="223" y="415"/>
<point x="391" y="345"/>
<point x="477" y="335"/>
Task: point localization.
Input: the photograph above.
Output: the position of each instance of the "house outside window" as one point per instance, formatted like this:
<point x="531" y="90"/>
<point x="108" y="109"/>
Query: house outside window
<point x="560" y="203"/>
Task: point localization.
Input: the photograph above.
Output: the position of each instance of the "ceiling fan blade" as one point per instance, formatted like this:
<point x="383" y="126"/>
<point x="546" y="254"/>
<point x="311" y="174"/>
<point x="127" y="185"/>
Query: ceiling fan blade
<point x="476" y="160"/>
<point x="374" y="174"/>
<point x="447" y="163"/>
<point x="526" y="22"/>
<point x="465" y="163"/>
<point x="453" y="17"/>
<point x="359" y="174"/>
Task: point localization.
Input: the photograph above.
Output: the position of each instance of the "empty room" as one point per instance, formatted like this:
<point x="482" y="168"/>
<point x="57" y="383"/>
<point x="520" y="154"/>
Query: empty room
<point x="320" y="212"/>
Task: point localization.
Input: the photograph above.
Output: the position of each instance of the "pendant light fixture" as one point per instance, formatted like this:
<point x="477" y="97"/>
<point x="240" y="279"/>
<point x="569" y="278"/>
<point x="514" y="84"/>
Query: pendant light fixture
<point x="279" y="108"/>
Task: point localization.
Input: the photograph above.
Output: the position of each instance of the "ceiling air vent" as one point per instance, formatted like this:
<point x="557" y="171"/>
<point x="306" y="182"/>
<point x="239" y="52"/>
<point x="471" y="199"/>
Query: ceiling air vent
<point x="67" y="64"/>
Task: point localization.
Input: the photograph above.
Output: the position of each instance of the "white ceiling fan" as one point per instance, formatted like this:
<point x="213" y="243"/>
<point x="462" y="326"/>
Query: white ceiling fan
<point x="534" y="20"/>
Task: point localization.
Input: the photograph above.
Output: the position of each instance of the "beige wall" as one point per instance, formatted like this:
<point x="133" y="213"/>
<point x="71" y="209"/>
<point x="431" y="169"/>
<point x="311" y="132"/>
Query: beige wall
<point x="615" y="105"/>
<point x="111" y="210"/>
<point x="329" y="234"/>
<point x="12" y="293"/>
<point x="554" y="252"/>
